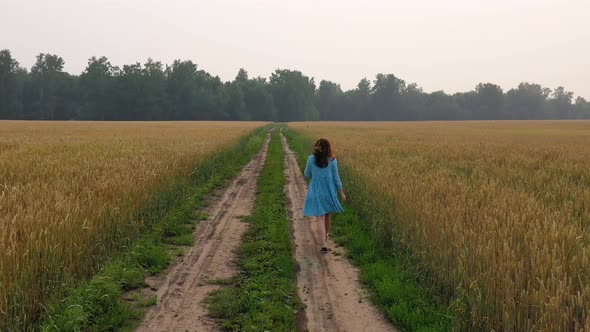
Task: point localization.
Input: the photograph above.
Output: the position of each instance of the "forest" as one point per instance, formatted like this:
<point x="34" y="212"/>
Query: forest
<point x="182" y="91"/>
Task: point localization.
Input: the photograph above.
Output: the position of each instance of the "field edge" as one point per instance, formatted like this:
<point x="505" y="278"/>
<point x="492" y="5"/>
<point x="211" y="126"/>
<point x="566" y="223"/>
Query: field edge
<point x="400" y="292"/>
<point x="99" y="301"/>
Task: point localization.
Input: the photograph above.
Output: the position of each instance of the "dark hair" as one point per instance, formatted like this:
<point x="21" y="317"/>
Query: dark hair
<point x="322" y="150"/>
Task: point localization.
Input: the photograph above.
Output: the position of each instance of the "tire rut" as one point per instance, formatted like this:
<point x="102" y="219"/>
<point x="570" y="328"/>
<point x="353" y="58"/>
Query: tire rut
<point x="182" y="288"/>
<point x="327" y="283"/>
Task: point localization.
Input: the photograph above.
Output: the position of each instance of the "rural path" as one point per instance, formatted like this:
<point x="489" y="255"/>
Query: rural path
<point x="328" y="284"/>
<point x="182" y="288"/>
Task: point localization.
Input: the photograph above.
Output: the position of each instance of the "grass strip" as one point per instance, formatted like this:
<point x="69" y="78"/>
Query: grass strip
<point x="97" y="304"/>
<point x="263" y="297"/>
<point x="396" y="287"/>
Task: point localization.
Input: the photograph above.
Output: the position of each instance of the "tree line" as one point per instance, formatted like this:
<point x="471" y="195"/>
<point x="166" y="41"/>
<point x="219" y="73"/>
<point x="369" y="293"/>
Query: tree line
<point x="182" y="91"/>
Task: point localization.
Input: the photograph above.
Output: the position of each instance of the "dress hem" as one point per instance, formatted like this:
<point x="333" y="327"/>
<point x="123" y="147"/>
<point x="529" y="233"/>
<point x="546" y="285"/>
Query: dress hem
<point x="323" y="214"/>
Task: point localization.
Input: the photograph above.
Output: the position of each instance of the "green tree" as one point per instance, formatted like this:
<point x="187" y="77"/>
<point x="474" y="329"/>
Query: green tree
<point x="10" y="87"/>
<point x="235" y="102"/>
<point x="209" y="97"/>
<point x="561" y="103"/>
<point x="528" y="101"/>
<point x="488" y="102"/>
<point x="96" y="90"/>
<point x="181" y="90"/>
<point x="293" y="95"/>
<point x="414" y="103"/>
<point x="47" y="74"/>
<point x="442" y="106"/>
<point x="581" y="108"/>
<point x="130" y="94"/>
<point x="387" y="97"/>
<point x="154" y="90"/>
<point x="67" y="98"/>
<point x="242" y="76"/>
<point x="329" y="100"/>
<point x="259" y="100"/>
<point x="361" y="99"/>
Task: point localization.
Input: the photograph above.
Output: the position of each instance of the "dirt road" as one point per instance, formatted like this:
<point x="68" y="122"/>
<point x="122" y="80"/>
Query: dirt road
<point x="328" y="284"/>
<point x="182" y="288"/>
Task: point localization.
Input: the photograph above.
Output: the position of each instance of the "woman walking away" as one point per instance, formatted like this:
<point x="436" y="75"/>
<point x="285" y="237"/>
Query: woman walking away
<point x="322" y="199"/>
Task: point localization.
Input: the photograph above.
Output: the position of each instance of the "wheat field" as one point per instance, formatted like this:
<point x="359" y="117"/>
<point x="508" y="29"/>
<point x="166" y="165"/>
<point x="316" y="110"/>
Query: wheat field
<point x="497" y="212"/>
<point x="70" y="193"/>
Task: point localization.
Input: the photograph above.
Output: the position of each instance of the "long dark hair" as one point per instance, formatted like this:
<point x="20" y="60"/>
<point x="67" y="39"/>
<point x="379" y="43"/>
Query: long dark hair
<point x="322" y="150"/>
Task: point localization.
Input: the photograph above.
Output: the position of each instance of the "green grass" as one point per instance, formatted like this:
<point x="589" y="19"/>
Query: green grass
<point x="97" y="304"/>
<point x="396" y="285"/>
<point x="263" y="297"/>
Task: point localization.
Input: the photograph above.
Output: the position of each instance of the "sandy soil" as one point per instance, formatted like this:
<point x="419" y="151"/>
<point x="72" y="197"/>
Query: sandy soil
<point x="181" y="289"/>
<point x="328" y="283"/>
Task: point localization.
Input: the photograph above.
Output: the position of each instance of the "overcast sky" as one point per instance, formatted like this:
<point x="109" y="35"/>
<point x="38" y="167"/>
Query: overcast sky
<point x="441" y="45"/>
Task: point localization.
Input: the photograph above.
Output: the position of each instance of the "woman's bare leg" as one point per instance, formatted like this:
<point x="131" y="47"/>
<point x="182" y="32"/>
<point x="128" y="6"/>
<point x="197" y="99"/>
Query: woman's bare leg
<point x="322" y="226"/>
<point x="327" y="221"/>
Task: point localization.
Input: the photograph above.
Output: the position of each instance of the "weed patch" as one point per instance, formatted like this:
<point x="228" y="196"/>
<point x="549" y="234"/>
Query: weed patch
<point x="263" y="297"/>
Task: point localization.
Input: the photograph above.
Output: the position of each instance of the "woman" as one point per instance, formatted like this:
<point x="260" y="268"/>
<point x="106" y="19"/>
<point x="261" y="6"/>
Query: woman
<point x="322" y="199"/>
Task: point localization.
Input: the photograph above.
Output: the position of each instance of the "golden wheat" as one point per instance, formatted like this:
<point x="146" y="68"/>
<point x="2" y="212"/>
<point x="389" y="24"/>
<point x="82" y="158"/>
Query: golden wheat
<point x="66" y="187"/>
<point x="499" y="212"/>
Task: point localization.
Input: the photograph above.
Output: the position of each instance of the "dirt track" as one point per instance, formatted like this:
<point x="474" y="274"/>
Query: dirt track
<point x="328" y="284"/>
<point x="182" y="288"/>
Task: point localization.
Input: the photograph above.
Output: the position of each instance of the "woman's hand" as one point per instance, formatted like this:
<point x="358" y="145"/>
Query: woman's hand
<point x="342" y="196"/>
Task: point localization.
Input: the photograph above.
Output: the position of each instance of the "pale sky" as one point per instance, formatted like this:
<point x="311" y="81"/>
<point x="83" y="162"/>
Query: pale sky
<point x="441" y="45"/>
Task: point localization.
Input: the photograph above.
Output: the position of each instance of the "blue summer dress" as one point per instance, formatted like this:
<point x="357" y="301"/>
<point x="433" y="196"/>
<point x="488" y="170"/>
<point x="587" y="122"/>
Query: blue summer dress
<point x="322" y="194"/>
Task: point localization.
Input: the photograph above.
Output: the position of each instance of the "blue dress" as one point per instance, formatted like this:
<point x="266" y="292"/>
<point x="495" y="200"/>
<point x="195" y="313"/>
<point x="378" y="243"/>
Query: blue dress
<point x="322" y="194"/>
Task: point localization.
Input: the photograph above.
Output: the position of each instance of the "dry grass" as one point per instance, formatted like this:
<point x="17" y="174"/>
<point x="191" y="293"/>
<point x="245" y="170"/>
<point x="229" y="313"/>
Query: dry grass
<point x="70" y="193"/>
<point x="498" y="212"/>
